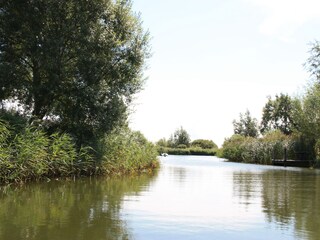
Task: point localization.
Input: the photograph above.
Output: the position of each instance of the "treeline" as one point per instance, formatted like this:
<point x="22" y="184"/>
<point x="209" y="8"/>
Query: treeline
<point x="180" y="143"/>
<point x="288" y="123"/>
<point x="68" y="72"/>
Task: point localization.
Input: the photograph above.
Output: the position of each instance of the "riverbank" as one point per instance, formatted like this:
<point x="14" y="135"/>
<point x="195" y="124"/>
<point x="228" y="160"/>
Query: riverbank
<point x="274" y="145"/>
<point x="188" y="151"/>
<point x="30" y="154"/>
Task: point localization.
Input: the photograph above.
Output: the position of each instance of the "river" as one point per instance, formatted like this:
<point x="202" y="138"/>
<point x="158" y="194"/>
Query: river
<point x="189" y="197"/>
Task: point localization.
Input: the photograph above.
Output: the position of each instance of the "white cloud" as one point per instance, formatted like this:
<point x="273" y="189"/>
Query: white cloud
<point x="284" y="17"/>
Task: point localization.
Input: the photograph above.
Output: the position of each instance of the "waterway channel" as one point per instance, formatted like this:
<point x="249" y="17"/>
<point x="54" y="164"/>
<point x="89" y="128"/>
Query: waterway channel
<point x="189" y="197"/>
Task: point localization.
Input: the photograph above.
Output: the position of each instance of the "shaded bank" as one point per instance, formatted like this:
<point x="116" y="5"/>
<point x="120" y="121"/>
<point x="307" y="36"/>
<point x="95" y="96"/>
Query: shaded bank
<point x="30" y="153"/>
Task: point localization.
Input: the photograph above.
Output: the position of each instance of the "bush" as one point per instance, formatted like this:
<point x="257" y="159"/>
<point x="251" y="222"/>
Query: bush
<point x="263" y="150"/>
<point x="182" y="146"/>
<point x="205" y="144"/>
<point x="16" y="121"/>
<point x="202" y="152"/>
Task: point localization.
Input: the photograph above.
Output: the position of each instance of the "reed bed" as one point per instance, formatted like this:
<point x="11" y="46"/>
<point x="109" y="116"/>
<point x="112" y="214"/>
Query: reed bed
<point x="32" y="154"/>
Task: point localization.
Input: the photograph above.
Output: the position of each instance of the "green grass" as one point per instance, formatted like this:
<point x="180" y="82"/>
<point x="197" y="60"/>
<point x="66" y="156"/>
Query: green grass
<point x="32" y="154"/>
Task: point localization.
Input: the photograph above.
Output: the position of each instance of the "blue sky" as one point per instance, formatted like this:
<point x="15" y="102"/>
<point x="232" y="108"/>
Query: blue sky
<point x="214" y="59"/>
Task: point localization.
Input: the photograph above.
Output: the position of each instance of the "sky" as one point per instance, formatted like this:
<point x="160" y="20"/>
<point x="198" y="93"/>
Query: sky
<point x="214" y="59"/>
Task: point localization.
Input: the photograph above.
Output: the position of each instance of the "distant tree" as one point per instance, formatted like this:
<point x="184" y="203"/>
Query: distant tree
<point x="76" y="62"/>
<point x="246" y="126"/>
<point x="278" y="114"/>
<point x="179" y="137"/>
<point x="309" y="117"/>
<point x="162" y="142"/>
<point x="307" y="112"/>
<point x="203" y="143"/>
<point x="313" y="62"/>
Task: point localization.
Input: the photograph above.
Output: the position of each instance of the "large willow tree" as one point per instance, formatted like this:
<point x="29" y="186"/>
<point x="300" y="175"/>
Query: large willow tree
<point x="73" y="63"/>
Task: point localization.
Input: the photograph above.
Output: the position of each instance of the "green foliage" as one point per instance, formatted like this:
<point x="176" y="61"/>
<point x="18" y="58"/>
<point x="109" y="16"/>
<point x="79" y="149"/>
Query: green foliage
<point x="262" y="150"/>
<point x="34" y="155"/>
<point x="73" y="64"/>
<point x="188" y="151"/>
<point x="232" y="147"/>
<point x="128" y="151"/>
<point x="287" y="122"/>
<point x="246" y="126"/>
<point x="4" y="143"/>
<point x="309" y="119"/>
<point x="30" y="151"/>
<point x="204" y="144"/>
<point x="317" y="150"/>
<point x="179" y="137"/>
<point x="162" y="143"/>
<point x="16" y="120"/>
<point x="62" y="155"/>
<point x="279" y="114"/>
<point x="202" y="151"/>
<point x="180" y="144"/>
<point x="313" y="63"/>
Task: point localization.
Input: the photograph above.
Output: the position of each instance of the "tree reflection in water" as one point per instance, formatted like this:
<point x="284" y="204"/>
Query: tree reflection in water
<point x="82" y="209"/>
<point x="289" y="198"/>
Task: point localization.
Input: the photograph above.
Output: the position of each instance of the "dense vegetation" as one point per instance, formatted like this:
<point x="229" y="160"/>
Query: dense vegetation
<point x="180" y="144"/>
<point x="68" y="72"/>
<point x="290" y="123"/>
<point x="32" y="154"/>
<point x="72" y="65"/>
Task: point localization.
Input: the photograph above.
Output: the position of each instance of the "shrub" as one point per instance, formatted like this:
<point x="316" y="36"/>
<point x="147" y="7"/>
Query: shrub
<point x="203" y="143"/>
<point x="182" y="146"/>
<point x="263" y="150"/>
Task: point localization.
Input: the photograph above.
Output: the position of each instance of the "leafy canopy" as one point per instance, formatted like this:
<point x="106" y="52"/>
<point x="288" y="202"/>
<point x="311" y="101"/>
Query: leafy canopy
<point x="180" y="138"/>
<point x="246" y="125"/>
<point x="279" y="114"/>
<point x="75" y="64"/>
<point x="204" y="143"/>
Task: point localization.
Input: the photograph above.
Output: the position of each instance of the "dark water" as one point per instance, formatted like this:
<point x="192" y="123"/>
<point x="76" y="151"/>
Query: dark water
<point x="188" y="198"/>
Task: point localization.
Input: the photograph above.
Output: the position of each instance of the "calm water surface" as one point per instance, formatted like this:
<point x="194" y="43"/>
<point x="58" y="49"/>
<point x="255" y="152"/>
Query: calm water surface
<point x="188" y="198"/>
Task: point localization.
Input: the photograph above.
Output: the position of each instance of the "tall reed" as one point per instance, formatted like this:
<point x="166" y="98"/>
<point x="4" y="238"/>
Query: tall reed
<point x="32" y="154"/>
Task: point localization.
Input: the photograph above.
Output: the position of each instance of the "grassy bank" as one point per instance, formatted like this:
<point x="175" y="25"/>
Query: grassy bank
<point x="188" y="151"/>
<point x="28" y="153"/>
<point x="262" y="150"/>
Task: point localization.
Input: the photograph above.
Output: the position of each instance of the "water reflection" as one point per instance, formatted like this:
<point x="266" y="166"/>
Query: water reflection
<point x="190" y="198"/>
<point x="246" y="186"/>
<point x="84" y="209"/>
<point x="289" y="198"/>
